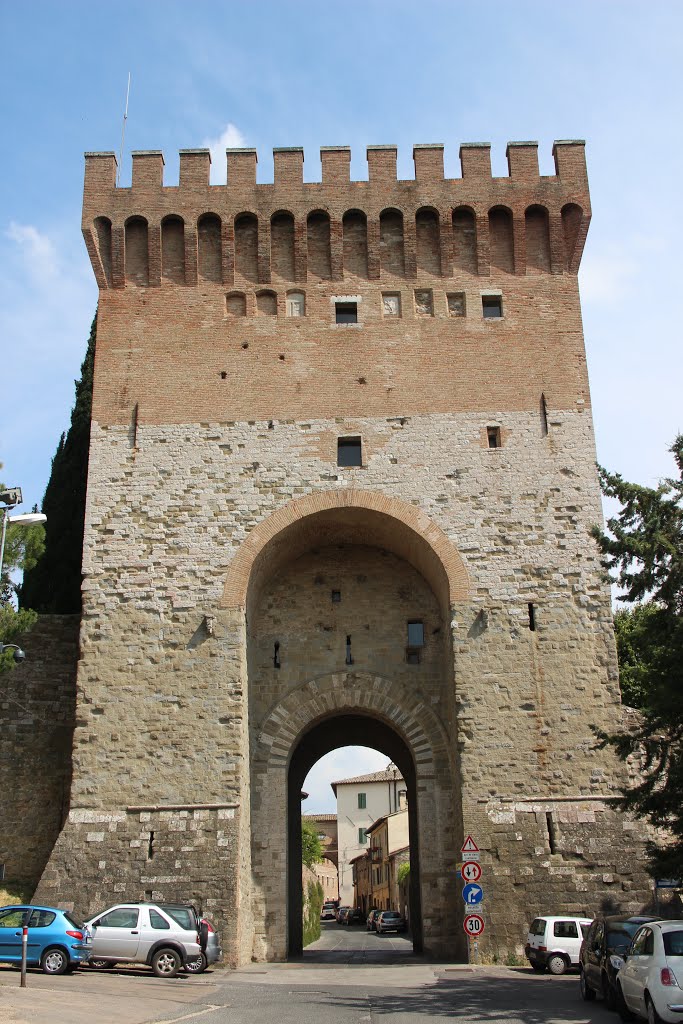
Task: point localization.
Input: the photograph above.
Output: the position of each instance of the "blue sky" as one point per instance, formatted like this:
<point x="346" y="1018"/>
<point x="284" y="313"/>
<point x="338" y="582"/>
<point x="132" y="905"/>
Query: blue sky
<point x="355" y="73"/>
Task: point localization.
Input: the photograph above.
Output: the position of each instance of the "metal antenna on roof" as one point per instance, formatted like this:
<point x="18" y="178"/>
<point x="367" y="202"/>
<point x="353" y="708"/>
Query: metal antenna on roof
<point x="123" y="133"/>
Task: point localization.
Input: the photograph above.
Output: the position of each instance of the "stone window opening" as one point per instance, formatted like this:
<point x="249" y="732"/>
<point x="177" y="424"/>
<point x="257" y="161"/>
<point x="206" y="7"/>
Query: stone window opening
<point x="416" y="640"/>
<point x="236" y="304"/>
<point x="266" y="303"/>
<point x="349" y="658"/>
<point x="150" y="847"/>
<point x="276" y="654"/>
<point x="532" y="616"/>
<point x="456" y="303"/>
<point x="493" y="437"/>
<point x="336" y="596"/>
<point x="544" y="417"/>
<point x="346" y="312"/>
<point x="492" y="307"/>
<point x="552" y="831"/>
<point x="349" y="451"/>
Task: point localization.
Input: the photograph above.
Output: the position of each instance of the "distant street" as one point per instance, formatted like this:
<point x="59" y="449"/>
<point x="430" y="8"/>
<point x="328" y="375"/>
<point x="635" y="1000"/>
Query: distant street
<point x="349" y="976"/>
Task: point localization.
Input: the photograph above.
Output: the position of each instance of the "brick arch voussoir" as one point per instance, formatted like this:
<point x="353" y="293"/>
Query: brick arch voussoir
<point x="239" y="571"/>
<point x="286" y="722"/>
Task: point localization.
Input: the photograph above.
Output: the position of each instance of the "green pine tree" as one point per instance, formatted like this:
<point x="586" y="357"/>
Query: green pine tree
<point x="53" y="586"/>
<point x="643" y="547"/>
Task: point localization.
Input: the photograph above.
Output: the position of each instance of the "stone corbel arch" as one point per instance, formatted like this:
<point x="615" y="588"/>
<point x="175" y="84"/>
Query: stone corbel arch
<point x="387" y="521"/>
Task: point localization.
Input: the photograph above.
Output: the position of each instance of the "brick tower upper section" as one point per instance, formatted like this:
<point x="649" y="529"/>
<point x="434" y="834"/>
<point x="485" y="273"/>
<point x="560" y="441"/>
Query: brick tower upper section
<point x="340" y="298"/>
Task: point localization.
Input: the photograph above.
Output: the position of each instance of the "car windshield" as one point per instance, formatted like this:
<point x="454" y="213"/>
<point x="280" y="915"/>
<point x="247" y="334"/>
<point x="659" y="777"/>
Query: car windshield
<point x="673" y="943"/>
<point x="620" y="938"/>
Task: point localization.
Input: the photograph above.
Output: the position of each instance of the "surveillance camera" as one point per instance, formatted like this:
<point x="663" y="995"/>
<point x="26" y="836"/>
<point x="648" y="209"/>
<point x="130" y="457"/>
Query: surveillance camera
<point x="19" y="655"/>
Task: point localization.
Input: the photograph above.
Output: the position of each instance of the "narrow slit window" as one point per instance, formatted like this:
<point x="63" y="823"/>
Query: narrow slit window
<point x="349" y="451"/>
<point x="492" y="306"/>
<point x="493" y="437"/>
<point x="544" y="417"/>
<point x="532" y="616"/>
<point x="552" y="831"/>
<point x="336" y="597"/>
<point x="150" y="847"/>
<point x="346" y="312"/>
<point x="276" y="654"/>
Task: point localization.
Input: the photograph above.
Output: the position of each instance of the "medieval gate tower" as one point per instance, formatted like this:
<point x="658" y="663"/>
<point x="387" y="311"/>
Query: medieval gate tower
<point x="341" y="487"/>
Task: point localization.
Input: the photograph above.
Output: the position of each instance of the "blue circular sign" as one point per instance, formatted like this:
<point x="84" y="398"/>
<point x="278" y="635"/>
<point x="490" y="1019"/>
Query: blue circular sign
<point x="472" y="894"/>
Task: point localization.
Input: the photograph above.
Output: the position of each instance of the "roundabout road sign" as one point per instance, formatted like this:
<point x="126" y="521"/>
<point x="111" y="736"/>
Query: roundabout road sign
<point x="471" y="871"/>
<point x="474" y="925"/>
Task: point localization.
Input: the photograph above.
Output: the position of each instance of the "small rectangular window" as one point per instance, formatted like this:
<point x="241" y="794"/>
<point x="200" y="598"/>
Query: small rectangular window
<point x="361" y="801"/>
<point x="416" y="634"/>
<point x="492" y="306"/>
<point x="412" y="655"/>
<point x="424" y="302"/>
<point x="391" y="303"/>
<point x="362" y="838"/>
<point x="532" y="616"/>
<point x="349" y="451"/>
<point x="456" y="303"/>
<point x="346" y="312"/>
<point x="493" y="437"/>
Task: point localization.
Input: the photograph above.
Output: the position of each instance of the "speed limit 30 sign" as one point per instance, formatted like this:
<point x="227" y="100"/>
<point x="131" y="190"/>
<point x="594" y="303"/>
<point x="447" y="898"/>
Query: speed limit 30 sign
<point x="474" y="925"/>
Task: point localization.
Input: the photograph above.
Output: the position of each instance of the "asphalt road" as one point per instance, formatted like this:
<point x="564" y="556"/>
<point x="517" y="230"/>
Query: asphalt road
<point x="348" y="977"/>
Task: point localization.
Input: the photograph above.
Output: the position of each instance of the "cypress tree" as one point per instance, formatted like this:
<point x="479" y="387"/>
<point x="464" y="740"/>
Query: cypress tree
<point x="53" y="586"/>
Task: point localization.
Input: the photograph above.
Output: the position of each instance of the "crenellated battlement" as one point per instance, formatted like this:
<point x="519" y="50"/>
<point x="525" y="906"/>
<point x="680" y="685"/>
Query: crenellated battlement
<point x="152" y="232"/>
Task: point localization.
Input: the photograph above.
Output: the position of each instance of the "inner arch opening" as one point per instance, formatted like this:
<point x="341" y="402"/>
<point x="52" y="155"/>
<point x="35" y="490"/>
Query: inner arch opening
<point x="331" y="733"/>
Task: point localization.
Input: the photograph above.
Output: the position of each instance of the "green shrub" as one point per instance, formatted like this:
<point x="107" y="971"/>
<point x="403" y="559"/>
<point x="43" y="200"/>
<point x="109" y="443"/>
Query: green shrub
<point x="314" y="898"/>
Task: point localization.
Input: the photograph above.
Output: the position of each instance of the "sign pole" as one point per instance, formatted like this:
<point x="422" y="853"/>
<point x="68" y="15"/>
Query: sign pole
<point x="24" y="945"/>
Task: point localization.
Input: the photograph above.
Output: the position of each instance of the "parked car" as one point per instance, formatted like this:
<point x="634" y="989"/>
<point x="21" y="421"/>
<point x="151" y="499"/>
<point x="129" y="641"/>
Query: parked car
<point x="57" y="941"/>
<point x="329" y="912"/>
<point x="165" y="936"/>
<point x="371" y="918"/>
<point x="355" y="916"/>
<point x="210" y="944"/>
<point x="555" y="942"/>
<point x="650" y="981"/>
<point x="341" y="914"/>
<point x="608" y="935"/>
<point x="389" y="921"/>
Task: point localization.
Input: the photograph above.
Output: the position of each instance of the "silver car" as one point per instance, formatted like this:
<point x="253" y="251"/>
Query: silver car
<point x="165" y="936"/>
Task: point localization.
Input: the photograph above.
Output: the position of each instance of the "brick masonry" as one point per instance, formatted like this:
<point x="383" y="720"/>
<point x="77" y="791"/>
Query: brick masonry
<point x="219" y="523"/>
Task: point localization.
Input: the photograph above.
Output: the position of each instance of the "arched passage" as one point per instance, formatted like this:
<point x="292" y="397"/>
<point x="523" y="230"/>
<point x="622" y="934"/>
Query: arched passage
<point x="326" y="735"/>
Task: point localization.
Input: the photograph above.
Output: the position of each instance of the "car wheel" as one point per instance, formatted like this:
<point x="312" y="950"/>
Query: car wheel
<point x="198" y="965"/>
<point x="622" y="1008"/>
<point x="54" y="961"/>
<point x="166" y="963"/>
<point x="101" y="965"/>
<point x="652" y="1015"/>
<point x="557" y="964"/>
<point x="587" y="992"/>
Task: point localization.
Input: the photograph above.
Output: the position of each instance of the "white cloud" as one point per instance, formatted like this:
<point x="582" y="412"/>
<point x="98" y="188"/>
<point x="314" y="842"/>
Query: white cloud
<point x="230" y="138"/>
<point x="37" y="249"/>
<point x="342" y="763"/>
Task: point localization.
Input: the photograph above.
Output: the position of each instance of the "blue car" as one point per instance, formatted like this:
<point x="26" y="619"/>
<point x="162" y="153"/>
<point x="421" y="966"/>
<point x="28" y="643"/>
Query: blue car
<point x="57" y="942"/>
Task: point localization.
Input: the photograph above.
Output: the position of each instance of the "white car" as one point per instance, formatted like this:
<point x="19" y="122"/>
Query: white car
<point x="554" y="943"/>
<point x="650" y="982"/>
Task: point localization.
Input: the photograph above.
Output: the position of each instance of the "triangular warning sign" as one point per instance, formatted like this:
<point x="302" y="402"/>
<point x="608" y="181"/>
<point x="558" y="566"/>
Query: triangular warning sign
<point x="469" y="846"/>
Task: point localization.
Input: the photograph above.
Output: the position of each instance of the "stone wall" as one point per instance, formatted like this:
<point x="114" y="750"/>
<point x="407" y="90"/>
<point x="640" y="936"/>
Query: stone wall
<point x="37" y="710"/>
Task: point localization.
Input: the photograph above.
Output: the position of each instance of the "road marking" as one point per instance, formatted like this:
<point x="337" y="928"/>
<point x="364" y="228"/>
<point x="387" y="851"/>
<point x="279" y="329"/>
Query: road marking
<point x="189" y="1016"/>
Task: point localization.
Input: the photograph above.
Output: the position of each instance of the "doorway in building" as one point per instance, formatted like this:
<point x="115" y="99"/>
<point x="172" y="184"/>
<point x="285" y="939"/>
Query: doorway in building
<point x="384" y="821"/>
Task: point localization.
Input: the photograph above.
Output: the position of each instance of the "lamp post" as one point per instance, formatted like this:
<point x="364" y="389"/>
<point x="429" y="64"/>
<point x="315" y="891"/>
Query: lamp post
<point x="9" y="499"/>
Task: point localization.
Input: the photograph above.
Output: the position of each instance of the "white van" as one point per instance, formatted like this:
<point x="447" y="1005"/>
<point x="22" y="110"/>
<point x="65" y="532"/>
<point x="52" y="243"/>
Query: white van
<point x="555" y="942"/>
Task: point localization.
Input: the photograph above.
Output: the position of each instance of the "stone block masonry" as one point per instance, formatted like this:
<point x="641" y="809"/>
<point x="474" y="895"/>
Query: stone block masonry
<point x="243" y="586"/>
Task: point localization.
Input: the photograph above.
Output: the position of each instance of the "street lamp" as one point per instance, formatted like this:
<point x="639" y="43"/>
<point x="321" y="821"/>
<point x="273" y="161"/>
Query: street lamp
<point x="10" y="499"/>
